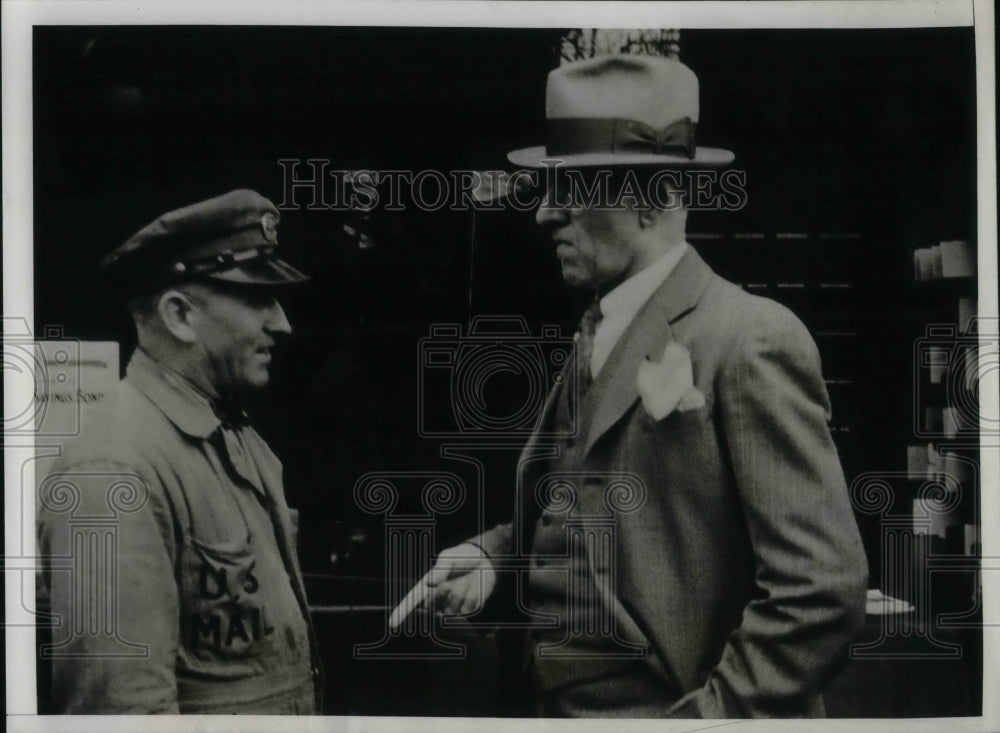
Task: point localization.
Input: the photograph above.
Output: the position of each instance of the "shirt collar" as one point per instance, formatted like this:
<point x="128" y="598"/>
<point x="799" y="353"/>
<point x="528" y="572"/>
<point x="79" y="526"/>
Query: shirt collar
<point x="625" y="300"/>
<point x="185" y="405"/>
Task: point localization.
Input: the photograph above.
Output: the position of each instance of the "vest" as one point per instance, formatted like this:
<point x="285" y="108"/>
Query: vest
<point x="577" y="643"/>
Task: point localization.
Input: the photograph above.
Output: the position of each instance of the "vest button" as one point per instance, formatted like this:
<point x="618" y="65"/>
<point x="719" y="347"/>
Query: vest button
<point x="570" y="442"/>
<point x="540" y="562"/>
<point x="546" y="519"/>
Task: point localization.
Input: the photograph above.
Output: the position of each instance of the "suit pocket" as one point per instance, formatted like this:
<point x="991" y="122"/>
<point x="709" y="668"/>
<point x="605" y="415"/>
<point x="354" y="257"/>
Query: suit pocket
<point x="678" y="420"/>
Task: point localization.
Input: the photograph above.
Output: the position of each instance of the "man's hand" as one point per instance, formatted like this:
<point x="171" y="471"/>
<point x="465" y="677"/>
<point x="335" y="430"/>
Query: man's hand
<point x="460" y="582"/>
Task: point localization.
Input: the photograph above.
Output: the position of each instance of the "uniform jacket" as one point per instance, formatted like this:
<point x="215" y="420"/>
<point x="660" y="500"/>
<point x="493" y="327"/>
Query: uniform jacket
<point x="201" y="581"/>
<point x="743" y="571"/>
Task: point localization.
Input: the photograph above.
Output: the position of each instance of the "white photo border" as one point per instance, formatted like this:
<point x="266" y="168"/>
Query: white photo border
<point x="18" y="19"/>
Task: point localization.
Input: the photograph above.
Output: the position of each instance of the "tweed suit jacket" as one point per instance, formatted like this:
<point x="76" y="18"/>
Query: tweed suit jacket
<point x="743" y="571"/>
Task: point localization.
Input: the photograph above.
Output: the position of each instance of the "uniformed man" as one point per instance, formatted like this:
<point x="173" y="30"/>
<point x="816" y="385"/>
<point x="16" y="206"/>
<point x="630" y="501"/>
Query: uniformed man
<point x="200" y="607"/>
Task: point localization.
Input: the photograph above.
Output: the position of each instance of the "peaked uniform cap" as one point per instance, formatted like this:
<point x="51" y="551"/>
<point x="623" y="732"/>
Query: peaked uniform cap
<point x="232" y="238"/>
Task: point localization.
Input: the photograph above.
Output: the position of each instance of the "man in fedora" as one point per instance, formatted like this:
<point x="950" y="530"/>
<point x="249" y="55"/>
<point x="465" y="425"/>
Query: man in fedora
<point x="200" y="606"/>
<point x="732" y="576"/>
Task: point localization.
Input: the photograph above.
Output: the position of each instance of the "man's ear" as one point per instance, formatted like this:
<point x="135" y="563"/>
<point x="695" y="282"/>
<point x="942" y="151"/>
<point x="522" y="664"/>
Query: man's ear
<point x="648" y="217"/>
<point x="176" y="309"/>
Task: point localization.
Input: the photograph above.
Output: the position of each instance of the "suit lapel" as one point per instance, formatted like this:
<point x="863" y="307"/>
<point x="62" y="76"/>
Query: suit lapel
<point x="614" y="391"/>
<point x="546" y="419"/>
<point x="538" y="450"/>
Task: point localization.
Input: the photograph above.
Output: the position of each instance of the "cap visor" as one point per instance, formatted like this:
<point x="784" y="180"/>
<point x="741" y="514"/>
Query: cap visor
<point x="269" y="271"/>
<point x="533" y="157"/>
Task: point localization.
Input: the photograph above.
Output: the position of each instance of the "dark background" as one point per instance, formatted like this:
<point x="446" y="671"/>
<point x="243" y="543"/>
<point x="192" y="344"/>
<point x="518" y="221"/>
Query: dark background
<point x="858" y="147"/>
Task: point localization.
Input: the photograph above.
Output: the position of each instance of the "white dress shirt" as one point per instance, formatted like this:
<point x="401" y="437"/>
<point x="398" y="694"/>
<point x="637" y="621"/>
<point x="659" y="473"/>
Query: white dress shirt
<point x="620" y="306"/>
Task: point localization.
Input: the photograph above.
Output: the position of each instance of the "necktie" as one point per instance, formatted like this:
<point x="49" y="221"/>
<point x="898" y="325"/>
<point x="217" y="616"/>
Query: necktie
<point x="585" y="344"/>
<point x="230" y="414"/>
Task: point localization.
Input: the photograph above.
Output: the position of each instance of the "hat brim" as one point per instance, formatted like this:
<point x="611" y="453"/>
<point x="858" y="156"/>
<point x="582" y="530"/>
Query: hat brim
<point x="533" y="157"/>
<point x="261" y="271"/>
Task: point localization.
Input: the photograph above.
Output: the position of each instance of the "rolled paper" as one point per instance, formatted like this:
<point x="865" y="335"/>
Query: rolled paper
<point x="933" y="419"/>
<point x="932" y="261"/>
<point x="950" y="422"/>
<point x="933" y="518"/>
<point x="957" y="468"/>
<point x="971" y="539"/>
<point x="971" y="367"/>
<point x="956" y="259"/>
<point x="937" y="363"/>
<point x="967" y="311"/>
<point x="916" y="461"/>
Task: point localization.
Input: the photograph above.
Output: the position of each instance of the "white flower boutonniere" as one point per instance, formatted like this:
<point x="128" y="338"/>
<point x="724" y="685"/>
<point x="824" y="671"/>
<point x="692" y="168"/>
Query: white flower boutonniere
<point x="668" y="384"/>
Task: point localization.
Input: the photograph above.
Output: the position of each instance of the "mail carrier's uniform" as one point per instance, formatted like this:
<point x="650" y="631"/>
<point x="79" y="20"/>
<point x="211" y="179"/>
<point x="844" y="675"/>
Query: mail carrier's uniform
<point x="202" y="571"/>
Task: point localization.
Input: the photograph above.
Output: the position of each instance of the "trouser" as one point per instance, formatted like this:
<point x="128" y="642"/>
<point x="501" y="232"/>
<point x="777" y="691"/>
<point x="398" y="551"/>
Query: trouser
<point x="632" y="692"/>
<point x="251" y="696"/>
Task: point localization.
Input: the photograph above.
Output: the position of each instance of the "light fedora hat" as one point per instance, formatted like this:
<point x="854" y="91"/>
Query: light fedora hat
<point x="621" y="110"/>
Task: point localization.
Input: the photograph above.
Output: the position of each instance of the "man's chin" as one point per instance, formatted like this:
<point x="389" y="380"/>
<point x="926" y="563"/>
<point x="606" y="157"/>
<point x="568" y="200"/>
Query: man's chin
<point x="256" y="382"/>
<point x="575" y="278"/>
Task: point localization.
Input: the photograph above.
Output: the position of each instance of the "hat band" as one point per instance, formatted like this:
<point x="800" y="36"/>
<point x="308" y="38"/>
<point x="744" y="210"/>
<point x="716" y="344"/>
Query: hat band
<point x="576" y="135"/>
<point x="222" y="261"/>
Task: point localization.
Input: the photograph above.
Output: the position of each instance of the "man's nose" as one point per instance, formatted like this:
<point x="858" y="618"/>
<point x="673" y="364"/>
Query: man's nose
<point x="277" y="321"/>
<point x="550" y="214"/>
